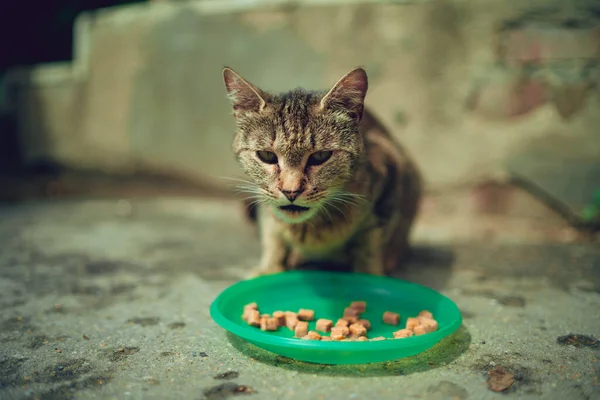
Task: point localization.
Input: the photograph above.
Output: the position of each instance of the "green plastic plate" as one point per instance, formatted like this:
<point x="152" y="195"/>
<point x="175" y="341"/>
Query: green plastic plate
<point x="328" y="293"/>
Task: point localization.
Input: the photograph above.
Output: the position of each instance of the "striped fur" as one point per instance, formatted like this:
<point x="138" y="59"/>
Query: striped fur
<point x="361" y="202"/>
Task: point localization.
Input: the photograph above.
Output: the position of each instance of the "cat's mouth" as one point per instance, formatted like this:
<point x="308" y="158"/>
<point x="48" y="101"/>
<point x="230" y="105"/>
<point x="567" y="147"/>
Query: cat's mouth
<point x="294" y="209"/>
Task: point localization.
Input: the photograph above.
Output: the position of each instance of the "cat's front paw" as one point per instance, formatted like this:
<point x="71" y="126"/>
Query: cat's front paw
<point x="264" y="270"/>
<point x="374" y="268"/>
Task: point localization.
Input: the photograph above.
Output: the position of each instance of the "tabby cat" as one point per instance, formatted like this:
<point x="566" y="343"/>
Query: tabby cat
<point x="328" y="183"/>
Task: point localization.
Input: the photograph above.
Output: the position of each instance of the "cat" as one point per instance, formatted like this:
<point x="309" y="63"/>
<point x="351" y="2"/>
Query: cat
<point x="327" y="183"/>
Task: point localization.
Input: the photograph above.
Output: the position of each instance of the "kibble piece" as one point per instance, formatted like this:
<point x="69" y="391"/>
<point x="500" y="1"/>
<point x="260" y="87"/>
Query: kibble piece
<point x="248" y="308"/>
<point x="291" y="321"/>
<point x="343" y="330"/>
<point x="312" y="335"/>
<point x="357" y="330"/>
<point x="391" y="318"/>
<point x="265" y="315"/>
<point x="360" y="306"/>
<point x="351" y="312"/>
<point x="403" y="333"/>
<point x="361" y="339"/>
<point x="378" y="338"/>
<point x="253" y="318"/>
<point x="269" y="324"/>
<point x="341" y="322"/>
<point x="411" y="323"/>
<point x="419" y="330"/>
<point x="366" y="323"/>
<point x="246" y="314"/>
<point x="301" y="329"/>
<point x="426" y="314"/>
<point x="280" y="317"/>
<point x="337" y="336"/>
<point x="306" y="315"/>
<point x="325" y="339"/>
<point x="351" y="319"/>
<point x="324" y="325"/>
<point x="430" y="325"/>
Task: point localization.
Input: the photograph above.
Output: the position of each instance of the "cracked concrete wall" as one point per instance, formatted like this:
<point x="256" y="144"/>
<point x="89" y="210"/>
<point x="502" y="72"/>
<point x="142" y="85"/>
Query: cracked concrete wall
<point x="447" y="77"/>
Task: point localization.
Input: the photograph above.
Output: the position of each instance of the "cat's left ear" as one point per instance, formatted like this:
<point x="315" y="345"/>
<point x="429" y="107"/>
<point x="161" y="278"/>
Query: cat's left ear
<point x="348" y="93"/>
<point x="243" y="95"/>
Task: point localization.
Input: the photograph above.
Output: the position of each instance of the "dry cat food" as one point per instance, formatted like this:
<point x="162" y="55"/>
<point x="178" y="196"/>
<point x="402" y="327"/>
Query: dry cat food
<point x="391" y="318"/>
<point x="411" y="323"/>
<point x="403" y="333"/>
<point x="351" y="312"/>
<point x="360" y="306"/>
<point x="366" y="323"/>
<point x="291" y="320"/>
<point x="301" y="329"/>
<point x="306" y="315"/>
<point x="357" y="330"/>
<point x="341" y="322"/>
<point x="324" y="325"/>
<point x="280" y="316"/>
<point x="349" y="328"/>
<point x="269" y="324"/>
<point x="312" y="335"/>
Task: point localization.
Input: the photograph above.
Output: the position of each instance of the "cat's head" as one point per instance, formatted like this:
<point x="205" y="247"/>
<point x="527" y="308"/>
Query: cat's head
<point x="298" y="148"/>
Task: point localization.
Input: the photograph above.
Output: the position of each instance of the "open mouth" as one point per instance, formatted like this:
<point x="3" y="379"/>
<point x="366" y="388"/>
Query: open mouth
<point x="293" y="208"/>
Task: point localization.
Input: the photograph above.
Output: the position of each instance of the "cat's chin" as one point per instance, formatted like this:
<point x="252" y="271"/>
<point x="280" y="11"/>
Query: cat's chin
<point x="293" y="214"/>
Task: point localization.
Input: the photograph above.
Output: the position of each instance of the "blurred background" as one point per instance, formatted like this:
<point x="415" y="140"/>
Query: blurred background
<point x="497" y="101"/>
<point x="119" y="225"/>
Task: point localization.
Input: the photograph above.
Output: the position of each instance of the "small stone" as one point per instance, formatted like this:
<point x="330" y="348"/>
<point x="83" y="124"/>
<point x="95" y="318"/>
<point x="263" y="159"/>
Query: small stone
<point x="500" y="379"/>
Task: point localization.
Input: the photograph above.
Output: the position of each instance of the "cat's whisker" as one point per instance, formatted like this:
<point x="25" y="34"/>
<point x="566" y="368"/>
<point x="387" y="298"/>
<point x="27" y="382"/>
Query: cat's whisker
<point x="250" y="189"/>
<point x="257" y="197"/>
<point x="328" y="191"/>
<point x="326" y="211"/>
<point x="344" y="202"/>
<point x="256" y="202"/>
<point x="337" y="208"/>
<point x="236" y="179"/>
<point x="349" y="195"/>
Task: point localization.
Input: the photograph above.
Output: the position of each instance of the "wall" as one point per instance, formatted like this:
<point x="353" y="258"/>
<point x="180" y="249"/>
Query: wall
<point x="473" y="89"/>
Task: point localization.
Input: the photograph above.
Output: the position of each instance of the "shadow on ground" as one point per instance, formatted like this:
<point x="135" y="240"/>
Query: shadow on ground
<point x="430" y="266"/>
<point x="445" y="352"/>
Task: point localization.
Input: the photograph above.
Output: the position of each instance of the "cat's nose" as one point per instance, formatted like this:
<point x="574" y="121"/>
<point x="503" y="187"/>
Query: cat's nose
<point x="291" y="195"/>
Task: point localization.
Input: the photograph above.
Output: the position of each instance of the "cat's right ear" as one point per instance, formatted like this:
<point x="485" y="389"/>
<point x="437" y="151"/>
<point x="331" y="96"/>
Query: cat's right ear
<point x="243" y="95"/>
<point x="348" y="94"/>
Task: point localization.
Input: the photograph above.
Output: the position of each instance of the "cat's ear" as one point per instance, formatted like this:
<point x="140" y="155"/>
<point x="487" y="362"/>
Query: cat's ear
<point x="243" y="95"/>
<point x="348" y="93"/>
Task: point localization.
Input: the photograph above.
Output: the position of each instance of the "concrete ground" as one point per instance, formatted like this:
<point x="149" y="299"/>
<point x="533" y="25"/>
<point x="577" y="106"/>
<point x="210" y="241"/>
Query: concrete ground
<point x="110" y="299"/>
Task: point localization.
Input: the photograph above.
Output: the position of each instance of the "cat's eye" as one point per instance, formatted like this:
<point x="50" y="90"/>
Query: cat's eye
<point x="267" y="157"/>
<point x="319" y="157"/>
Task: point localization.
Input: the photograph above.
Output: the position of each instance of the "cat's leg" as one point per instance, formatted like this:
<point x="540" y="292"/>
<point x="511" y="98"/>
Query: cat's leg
<point x="273" y="250"/>
<point x="397" y="244"/>
<point x="272" y="261"/>
<point x="367" y="252"/>
<point x="405" y="201"/>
